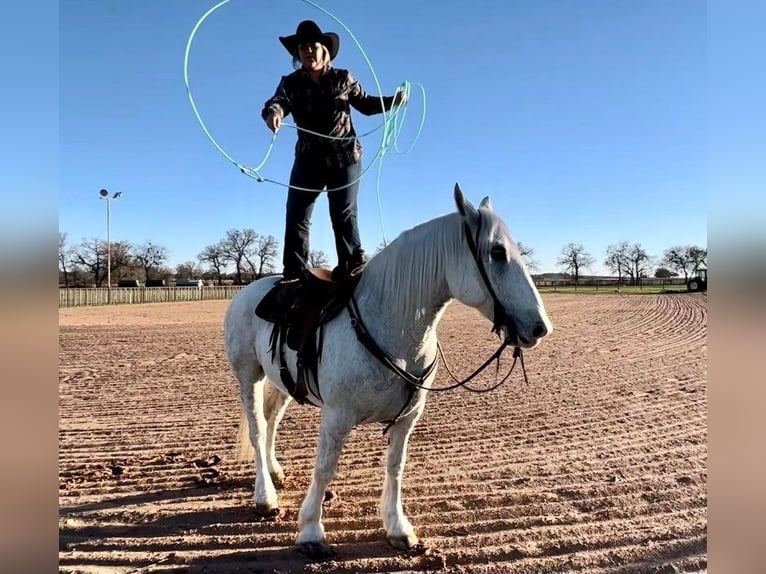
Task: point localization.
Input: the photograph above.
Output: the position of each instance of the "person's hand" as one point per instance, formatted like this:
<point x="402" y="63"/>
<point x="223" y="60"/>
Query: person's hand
<point x="400" y="98"/>
<point x="273" y="121"/>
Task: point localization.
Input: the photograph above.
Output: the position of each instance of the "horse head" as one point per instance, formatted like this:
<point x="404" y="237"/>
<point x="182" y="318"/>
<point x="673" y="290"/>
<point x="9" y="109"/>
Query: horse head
<point x="493" y="277"/>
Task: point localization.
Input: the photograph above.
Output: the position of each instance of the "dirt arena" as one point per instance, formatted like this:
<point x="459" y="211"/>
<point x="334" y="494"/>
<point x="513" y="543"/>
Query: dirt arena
<point x="597" y="465"/>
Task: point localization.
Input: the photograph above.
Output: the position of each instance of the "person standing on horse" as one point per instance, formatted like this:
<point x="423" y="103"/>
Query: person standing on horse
<point x="320" y="98"/>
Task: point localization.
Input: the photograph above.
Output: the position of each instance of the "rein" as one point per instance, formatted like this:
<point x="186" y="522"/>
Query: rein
<point x="415" y="382"/>
<point x="517" y="354"/>
<point x="501" y="318"/>
<point x="369" y="343"/>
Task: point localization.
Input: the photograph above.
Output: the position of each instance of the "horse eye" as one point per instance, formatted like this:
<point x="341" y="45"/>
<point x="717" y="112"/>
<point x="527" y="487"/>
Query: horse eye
<point x="498" y="252"/>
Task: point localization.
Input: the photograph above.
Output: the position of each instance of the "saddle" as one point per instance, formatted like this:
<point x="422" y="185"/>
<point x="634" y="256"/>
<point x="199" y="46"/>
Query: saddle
<point x="299" y="310"/>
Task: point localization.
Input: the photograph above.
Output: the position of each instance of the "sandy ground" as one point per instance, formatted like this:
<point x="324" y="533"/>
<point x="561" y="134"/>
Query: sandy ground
<point x="598" y="465"/>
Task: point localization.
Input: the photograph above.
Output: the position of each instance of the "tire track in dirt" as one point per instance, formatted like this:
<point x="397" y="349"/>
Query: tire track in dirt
<point x="598" y="465"/>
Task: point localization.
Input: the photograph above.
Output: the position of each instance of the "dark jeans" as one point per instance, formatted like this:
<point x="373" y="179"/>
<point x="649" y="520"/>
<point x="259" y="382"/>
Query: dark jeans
<point x="343" y="214"/>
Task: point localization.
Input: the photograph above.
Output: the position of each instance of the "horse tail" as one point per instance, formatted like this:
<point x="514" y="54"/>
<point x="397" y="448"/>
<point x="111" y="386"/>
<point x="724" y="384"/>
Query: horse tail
<point x="244" y="449"/>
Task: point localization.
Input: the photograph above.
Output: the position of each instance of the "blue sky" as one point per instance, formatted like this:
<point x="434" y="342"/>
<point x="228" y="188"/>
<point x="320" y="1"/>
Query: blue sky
<point x="583" y="120"/>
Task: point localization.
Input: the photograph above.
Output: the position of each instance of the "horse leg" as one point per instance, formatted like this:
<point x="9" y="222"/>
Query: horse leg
<point x="275" y="406"/>
<point x="333" y="431"/>
<point x="401" y="535"/>
<point x="251" y="387"/>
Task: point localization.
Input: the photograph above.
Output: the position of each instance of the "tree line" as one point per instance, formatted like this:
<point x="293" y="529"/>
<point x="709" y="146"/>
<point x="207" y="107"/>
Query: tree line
<point x="241" y="256"/>
<point x="632" y="262"/>
<point x="244" y="255"/>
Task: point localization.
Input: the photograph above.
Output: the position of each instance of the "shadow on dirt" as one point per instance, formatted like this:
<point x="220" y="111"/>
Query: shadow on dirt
<point x="137" y="499"/>
<point x="224" y="537"/>
<point x="352" y="557"/>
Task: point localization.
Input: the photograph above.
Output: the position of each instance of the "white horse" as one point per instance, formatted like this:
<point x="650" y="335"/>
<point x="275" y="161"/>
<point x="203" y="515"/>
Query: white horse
<point x="401" y="297"/>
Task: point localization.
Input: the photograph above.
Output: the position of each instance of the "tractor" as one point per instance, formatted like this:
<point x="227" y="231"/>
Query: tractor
<point x="698" y="282"/>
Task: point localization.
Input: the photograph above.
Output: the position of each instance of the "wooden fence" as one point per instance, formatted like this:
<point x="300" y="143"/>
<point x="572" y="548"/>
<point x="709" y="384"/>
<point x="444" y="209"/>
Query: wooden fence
<point x="609" y="282"/>
<point x="125" y="295"/>
<point x="78" y="297"/>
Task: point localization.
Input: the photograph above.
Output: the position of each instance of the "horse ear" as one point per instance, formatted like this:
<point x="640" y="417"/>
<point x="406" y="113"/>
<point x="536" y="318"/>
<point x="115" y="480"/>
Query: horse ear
<point x="463" y="205"/>
<point x="486" y="202"/>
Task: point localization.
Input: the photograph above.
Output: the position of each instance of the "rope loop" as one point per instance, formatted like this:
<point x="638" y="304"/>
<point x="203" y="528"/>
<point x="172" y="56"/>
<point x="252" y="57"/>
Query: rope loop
<point x="392" y="125"/>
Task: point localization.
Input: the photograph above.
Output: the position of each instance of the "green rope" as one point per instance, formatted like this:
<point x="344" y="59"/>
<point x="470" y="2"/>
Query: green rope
<point x="393" y="121"/>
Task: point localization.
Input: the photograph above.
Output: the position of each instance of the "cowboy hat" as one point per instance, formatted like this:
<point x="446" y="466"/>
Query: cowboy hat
<point x="308" y="31"/>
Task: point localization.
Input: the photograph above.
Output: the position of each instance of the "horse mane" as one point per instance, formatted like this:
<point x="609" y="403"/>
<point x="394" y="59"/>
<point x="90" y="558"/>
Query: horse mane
<point x="402" y="274"/>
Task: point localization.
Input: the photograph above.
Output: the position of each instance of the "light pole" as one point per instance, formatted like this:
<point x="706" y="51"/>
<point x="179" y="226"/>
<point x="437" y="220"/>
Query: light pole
<point x="104" y="194"/>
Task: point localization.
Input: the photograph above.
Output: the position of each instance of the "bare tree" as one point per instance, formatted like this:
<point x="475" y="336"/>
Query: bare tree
<point x="266" y="250"/>
<point x="318" y="259"/>
<point x="215" y="257"/>
<point x="150" y="256"/>
<point x="617" y="259"/>
<point x="90" y="254"/>
<point x="187" y="270"/>
<point x="64" y="257"/>
<point x="698" y="257"/>
<point x="239" y="248"/>
<point x="640" y="262"/>
<point x="121" y="260"/>
<point x="573" y="258"/>
<point x="677" y="258"/>
<point x="527" y="253"/>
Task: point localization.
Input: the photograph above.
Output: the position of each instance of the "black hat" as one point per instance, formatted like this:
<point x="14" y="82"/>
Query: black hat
<point x="308" y="31"/>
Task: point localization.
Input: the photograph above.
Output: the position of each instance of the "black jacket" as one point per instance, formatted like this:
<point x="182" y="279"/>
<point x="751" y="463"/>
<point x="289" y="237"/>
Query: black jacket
<point x="325" y="108"/>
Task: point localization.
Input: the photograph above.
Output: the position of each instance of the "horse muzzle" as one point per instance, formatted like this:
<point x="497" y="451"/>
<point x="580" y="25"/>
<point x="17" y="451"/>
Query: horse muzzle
<point x="526" y="338"/>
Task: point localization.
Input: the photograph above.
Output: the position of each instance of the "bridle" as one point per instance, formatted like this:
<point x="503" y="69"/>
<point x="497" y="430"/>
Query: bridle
<point x="500" y="319"/>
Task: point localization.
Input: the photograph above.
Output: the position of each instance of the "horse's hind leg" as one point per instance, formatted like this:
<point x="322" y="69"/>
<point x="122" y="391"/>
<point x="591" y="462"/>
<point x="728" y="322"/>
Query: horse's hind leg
<point x="275" y="406"/>
<point x="251" y="387"/>
<point x="333" y="431"/>
<point x="399" y="530"/>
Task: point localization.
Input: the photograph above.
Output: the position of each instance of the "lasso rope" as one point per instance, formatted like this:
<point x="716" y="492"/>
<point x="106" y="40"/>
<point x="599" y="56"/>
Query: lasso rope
<point x="393" y="121"/>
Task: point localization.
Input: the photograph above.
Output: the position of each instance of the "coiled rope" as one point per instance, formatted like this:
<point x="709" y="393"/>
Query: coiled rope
<point x="393" y="120"/>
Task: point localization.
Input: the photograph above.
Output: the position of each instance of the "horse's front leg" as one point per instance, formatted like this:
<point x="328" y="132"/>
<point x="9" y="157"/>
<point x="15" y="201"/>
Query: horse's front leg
<point x="399" y="530"/>
<point x="333" y="431"/>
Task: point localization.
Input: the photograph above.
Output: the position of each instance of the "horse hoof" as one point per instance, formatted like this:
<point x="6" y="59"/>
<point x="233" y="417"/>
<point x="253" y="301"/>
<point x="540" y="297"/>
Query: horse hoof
<point x="278" y="480"/>
<point x="265" y="512"/>
<point x="317" y="550"/>
<point x="409" y="544"/>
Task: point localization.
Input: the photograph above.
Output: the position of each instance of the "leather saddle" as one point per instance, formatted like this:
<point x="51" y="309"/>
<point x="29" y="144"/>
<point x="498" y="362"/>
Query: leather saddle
<point x="299" y="310"/>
